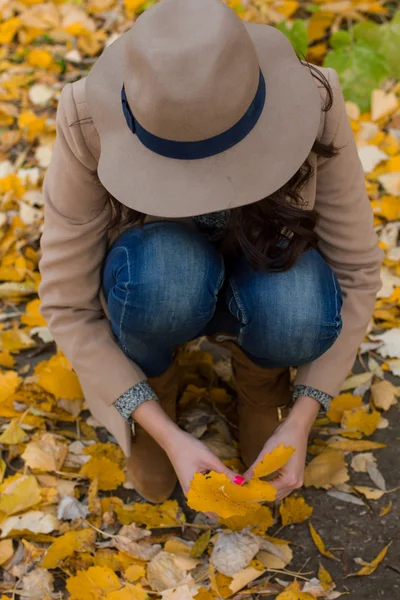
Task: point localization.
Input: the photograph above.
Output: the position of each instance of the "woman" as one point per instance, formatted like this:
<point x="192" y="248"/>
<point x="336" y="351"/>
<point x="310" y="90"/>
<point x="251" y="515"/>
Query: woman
<point x="204" y="181"/>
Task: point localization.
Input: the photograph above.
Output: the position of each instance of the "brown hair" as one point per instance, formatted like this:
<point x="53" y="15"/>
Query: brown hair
<point x="276" y="230"/>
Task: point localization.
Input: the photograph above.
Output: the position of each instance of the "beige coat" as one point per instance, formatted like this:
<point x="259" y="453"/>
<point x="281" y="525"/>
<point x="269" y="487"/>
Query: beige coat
<point x="74" y="245"/>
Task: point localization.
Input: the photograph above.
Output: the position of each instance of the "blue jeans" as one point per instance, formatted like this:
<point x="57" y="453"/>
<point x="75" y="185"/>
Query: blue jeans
<point x="165" y="284"/>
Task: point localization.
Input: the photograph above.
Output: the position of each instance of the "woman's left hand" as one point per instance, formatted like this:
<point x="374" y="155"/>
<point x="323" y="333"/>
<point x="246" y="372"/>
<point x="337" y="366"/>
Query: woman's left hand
<point x="294" y="431"/>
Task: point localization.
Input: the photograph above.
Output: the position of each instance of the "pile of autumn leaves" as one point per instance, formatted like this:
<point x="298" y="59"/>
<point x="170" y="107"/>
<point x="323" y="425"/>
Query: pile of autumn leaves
<point x="59" y="516"/>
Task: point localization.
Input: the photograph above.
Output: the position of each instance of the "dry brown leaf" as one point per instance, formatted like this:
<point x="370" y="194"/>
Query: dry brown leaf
<point x="384" y="394"/>
<point x="233" y="552"/>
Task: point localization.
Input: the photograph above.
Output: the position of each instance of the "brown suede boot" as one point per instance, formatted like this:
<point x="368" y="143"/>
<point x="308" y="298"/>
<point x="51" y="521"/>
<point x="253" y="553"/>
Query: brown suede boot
<point x="148" y="467"/>
<point x="263" y="399"/>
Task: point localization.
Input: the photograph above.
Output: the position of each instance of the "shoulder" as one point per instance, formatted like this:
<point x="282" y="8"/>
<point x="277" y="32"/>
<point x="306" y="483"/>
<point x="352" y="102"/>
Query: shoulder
<point x="76" y="124"/>
<point x="334" y="116"/>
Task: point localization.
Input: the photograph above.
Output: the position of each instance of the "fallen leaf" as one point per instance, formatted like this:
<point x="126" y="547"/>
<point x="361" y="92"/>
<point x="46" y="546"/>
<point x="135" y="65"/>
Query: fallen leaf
<point x="37" y="585"/>
<point x="13" y="434"/>
<point x="233" y="552"/>
<point x="93" y="583"/>
<point x="340" y="404"/>
<point x="369" y="492"/>
<point x="293" y="592"/>
<point x="318" y="541"/>
<point x="386" y="509"/>
<point x="18" y="494"/>
<point x="134" y="573"/>
<point x="369" y="568"/>
<point x="354" y="445"/>
<point x="260" y="520"/>
<point x="6" y="551"/>
<point x="201" y="545"/>
<point x="57" y="377"/>
<point x="164" y="572"/>
<point x="345" y="497"/>
<point x="46" y="454"/>
<point x="182" y="592"/>
<point x="108" y="474"/>
<point x="64" y="546"/>
<point x="161" y="515"/>
<point x="361" y="419"/>
<point x="294" y="509"/>
<point x="384" y="395"/>
<point x="34" y="521"/>
<point x="326" y="470"/>
<point x="70" y="508"/>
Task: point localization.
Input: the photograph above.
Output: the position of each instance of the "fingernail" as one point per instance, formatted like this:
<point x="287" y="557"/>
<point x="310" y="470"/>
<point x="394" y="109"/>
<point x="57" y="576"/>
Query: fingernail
<point x="238" y="480"/>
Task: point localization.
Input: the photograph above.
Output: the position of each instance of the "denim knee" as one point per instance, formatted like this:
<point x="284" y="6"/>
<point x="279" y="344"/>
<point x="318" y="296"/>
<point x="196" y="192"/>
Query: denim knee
<point x="288" y="318"/>
<point x="161" y="283"/>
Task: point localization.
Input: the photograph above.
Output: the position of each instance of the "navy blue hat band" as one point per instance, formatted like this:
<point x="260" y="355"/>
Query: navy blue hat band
<point x="203" y="148"/>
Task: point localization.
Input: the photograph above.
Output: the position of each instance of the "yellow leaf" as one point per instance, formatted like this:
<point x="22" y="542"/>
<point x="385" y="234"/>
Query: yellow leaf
<point x="371" y="567"/>
<point x="132" y="6"/>
<point x="57" y="377"/>
<point x="31" y="125"/>
<point x="6" y="551"/>
<point x="8" y="29"/>
<point x="341" y="403"/>
<point x="32" y="316"/>
<point x="215" y="493"/>
<point x="177" y="546"/>
<point x="13" y="268"/>
<point x="93" y="583"/>
<point x="260" y="520"/>
<point x="6" y="360"/>
<point x="94" y="503"/>
<point x="387" y="207"/>
<point x="13" y="434"/>
<point x="201" y="544"/>
<point x="385" y="509"/>
<point x="355" y="445"/>
<point x="203" y="594"/>
<point x="9" y="383"/>
<point x="46" y="454"/>
<point x="39" y="58"/>
<point x="318" y="25"/>
<point x="293" y="592"/>
<point x="134" y="572"/>
<point x="317" y="539"/>
<point x="108" y="473"/>
<point x="18" y="494"/>
<point x="107" y="450"/>
<point x="369" y="492"/>
<point x="220" y="585"/>
<point x="361" y="419"/>
<point x="64" y="546"/>
<point x="326" y="470"/>
<point x="273" y="461"/>
<point x="14" y="340"/>
<point x="294" y="509"/>
<point x="325" y="577"/>
<point x="3" y="468"/>
<point x="128" y="592"/>
<point x="160" y="515"/>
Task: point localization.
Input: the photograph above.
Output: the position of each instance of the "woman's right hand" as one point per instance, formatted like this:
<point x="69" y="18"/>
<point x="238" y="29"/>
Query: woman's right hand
<point x="189" y="455"/>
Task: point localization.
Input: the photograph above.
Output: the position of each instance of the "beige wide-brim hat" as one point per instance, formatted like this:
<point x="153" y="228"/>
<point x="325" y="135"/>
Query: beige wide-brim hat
<point x="199" y="82"/>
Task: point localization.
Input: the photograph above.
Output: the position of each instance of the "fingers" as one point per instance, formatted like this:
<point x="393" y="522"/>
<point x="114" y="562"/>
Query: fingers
<point x="231" y="475"/>
<point x="286" y="484"/>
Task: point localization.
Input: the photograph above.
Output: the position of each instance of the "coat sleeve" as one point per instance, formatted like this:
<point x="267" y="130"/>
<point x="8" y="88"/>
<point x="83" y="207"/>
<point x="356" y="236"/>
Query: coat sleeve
<point x="348" y="243"/>
<point x="74" y="243"/>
